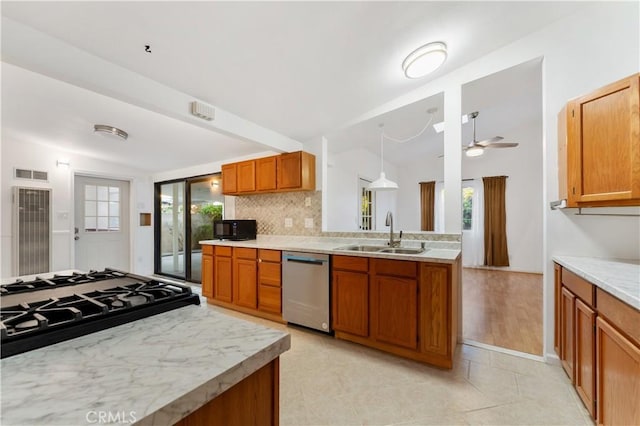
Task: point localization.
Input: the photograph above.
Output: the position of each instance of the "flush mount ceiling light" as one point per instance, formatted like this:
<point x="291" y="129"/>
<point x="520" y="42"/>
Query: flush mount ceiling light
<point x="425" y="60"/>
<point x="382" y="183"/>
<point x="110" y="131"/>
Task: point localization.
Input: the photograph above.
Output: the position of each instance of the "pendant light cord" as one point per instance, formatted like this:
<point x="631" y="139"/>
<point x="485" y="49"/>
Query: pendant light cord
<point x="411" y="137"/>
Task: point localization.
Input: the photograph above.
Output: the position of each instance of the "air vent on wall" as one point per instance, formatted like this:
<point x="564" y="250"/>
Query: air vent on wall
<point x="31" y="174"/>
<point x="204" y="111"/>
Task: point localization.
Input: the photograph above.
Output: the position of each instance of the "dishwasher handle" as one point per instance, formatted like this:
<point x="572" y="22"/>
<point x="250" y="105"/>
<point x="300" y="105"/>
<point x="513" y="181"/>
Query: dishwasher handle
<point x="307" y="260"/>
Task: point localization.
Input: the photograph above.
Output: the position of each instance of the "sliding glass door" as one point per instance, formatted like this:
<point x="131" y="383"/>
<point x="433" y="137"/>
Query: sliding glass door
<point x="185" y="211"/>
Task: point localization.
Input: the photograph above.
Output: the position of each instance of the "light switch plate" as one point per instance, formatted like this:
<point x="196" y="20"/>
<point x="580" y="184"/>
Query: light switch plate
<point x="288" y="222"/>
<point x="308" y="222"/>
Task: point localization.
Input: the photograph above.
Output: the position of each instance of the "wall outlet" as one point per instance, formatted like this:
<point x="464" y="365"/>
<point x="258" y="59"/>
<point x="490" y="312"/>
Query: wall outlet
<point x="307" y="202"/>
<point x="308" y="222"/>
<point x="288" y="222"/>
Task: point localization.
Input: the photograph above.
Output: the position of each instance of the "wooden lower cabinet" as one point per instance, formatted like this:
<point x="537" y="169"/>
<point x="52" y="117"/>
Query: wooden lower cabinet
<point x="244" y="279"/>
<point x="350" y="307"/>
<point x="567" y="336"/>
<point x="245" y="270"/>
<point x="222" y="283"/>
<point x="599" y="348"/>
<point x="618" y="377"/>
<point x="207" y="271"/>
<point x="403" y="307"/>
<point x="253" y="401"/>
<point x="394" y="311"/>
<point x="557" y="291"/>
<point x="585" y="380"/>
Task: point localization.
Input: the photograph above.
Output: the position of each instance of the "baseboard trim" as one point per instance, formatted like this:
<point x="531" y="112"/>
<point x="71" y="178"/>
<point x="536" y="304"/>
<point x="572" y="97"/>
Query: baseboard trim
<point x="503" y="350"/>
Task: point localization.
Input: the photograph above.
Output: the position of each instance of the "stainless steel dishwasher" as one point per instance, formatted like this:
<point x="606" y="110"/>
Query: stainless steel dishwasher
<point x="305" y="289"/>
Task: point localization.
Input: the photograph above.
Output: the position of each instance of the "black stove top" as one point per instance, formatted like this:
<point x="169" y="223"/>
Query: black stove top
<point x="44" y="311"/>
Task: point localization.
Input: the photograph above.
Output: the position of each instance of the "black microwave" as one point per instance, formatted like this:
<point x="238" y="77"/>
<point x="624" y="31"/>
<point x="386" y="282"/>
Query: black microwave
<point x="234" y="229"/>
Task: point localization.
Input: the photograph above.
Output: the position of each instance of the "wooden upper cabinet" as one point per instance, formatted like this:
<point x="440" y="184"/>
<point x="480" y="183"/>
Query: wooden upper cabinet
<point x="297" y="171"/>
<point x="229" y="178"/>
<point x="266" y="173"/>
<point x="247" y="176"/>
<point x="599" y="145"/>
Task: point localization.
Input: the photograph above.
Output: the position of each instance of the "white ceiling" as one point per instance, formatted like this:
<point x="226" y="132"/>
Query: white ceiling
<point x="302" y="69"/>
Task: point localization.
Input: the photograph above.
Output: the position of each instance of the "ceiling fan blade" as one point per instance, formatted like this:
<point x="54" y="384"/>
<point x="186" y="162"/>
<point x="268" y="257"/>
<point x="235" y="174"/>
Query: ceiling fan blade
<point x="502" y="145"/>
<point x="489" y="141"/>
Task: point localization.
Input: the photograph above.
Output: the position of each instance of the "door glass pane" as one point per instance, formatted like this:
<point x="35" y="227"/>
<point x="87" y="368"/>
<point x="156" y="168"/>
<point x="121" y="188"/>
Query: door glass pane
<point x="172" y="229"/>
<point x="206" y="205"/>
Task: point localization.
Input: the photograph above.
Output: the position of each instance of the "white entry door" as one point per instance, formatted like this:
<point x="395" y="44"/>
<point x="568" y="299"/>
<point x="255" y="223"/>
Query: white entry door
<point x="101" y="223"/>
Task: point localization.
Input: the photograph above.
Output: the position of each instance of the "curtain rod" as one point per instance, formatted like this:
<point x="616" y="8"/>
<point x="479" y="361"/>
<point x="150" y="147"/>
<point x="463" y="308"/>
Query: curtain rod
<point x="463" y="180"/>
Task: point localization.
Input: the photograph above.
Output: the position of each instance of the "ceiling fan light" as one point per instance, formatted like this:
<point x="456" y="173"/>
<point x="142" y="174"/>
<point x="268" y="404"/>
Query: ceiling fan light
<point x="110" y="131"/>
<point x="474" y="151"/>
<point x="425" y="60"/>
<point x="382" y="184"/>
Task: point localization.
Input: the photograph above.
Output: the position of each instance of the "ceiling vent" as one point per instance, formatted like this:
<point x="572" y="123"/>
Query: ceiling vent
<point x="204" y="111"/>
<point x="31" y="174"/>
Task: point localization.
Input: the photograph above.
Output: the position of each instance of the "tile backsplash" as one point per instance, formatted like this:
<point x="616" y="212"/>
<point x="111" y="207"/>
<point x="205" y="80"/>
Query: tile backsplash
<point x="272" y="211"/>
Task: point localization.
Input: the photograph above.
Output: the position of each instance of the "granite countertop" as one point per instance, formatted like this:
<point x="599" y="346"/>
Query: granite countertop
<point x="437" y="251"/>
<point x="152" y="371"/>
<point x="620" y="278"/>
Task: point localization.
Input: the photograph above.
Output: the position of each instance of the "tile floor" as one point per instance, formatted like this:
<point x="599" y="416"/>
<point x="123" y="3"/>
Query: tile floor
<point x="324" y="381"/>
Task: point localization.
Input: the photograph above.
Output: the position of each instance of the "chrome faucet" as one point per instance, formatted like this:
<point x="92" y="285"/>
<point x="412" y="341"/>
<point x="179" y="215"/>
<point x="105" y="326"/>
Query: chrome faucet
<point x="389" y="222"/>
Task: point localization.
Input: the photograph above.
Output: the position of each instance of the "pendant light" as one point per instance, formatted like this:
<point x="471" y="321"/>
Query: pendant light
<point x="382" y="183"/>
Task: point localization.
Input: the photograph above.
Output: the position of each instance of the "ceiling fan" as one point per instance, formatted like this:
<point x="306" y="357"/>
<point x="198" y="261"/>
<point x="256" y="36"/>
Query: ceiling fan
<point x="476" y="148"/>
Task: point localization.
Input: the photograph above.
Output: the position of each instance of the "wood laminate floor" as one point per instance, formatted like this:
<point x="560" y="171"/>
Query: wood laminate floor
<point x="502" y="308"/>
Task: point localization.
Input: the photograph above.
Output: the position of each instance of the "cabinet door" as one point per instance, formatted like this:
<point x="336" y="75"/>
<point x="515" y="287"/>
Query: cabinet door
<point x="350" y="303"/>
<point x="585" y="355"/>
<point x="618" y="377"/>
<point x="247" y="176"/>
<point x="567" y="338"/>
<point x="289" y="170"/>
<point x="222" y="284"/>
<point x="435" y="310"/>
<point x="557" y="292"/>
<point x="394" y="311"/>
<point x="266" y="174"/>
<point x="207" y="275"/>
<point x="229" y="178"/>
<point x="244" y="283"/>
<point x="604" y="144"/>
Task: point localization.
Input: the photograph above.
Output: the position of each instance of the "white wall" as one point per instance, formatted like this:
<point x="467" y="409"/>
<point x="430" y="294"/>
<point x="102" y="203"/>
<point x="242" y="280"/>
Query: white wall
<point x="598" y="44"/>
<point x="40" y="157"/>
<point x="343" y="172"/>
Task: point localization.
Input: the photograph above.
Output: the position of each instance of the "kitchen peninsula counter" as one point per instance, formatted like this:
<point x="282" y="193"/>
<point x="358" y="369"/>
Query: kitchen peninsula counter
<point x="153" y="371"/>
<point x="620" y="278"/>
<point x="436" y="251"/>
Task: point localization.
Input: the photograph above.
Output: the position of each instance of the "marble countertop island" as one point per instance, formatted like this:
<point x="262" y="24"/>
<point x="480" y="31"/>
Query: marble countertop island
<point x="153" y="371"/>
<point x="436" y="251"/>
<point x="620" y="278"/>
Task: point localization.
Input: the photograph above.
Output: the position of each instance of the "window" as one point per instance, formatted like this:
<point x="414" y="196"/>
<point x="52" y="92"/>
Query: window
<point x="467" y="208"/>
<point x="101" y="208"/>
<point x="367" y="205"/>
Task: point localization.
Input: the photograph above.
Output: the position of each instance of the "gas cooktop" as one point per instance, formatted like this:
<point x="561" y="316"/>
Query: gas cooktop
<point x="44" y="311"/>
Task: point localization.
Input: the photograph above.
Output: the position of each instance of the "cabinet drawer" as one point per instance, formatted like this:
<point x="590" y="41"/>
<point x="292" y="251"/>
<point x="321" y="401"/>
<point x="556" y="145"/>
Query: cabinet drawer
<point x="244" y="253"/>
<point x="398" y="268"/>
<point x="207" y="249"/>
<point x="578" y="286"/>
<point x="623" y="316"/>
<point x="351" y="263"/>
<point x="270" y="255"/>
<point x="223" y="251"/>
<point x="269" y="299"/>
<point x="270" y="273"/>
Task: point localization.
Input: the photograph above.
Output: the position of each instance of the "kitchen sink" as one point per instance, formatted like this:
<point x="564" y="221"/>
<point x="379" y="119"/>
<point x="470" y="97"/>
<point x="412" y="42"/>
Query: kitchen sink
<point x="401" y="250"/>
<point x="361" y="248"/>
<point x="382" y="249"/>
